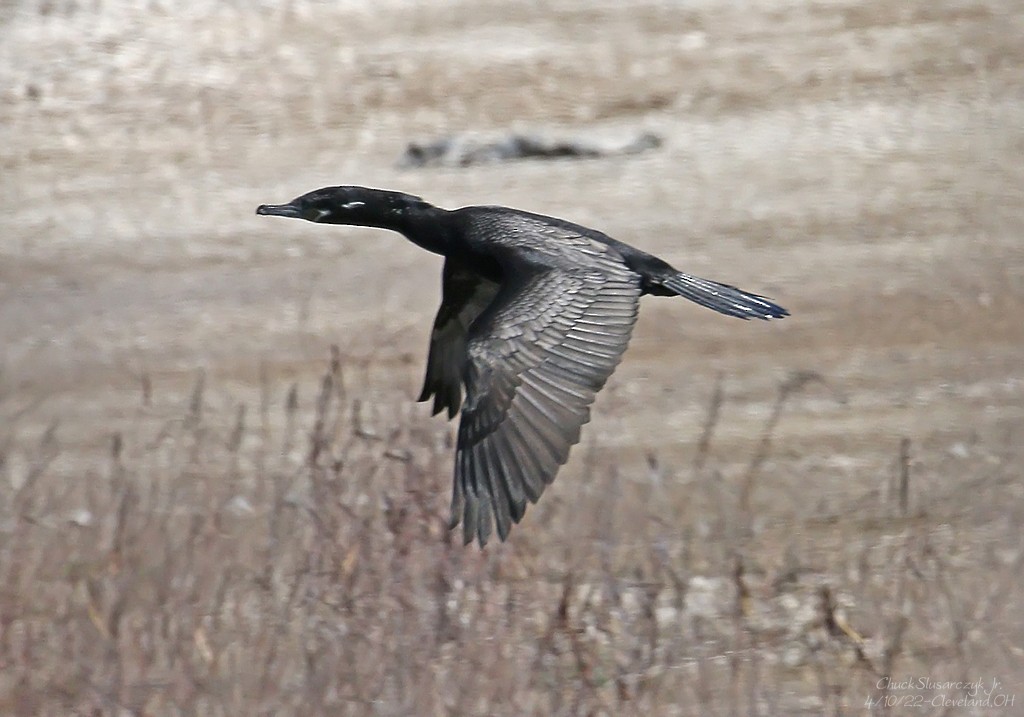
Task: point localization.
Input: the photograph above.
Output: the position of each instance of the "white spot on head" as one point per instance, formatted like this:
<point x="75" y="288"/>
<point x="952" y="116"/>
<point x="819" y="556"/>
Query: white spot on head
<point x="352" y="205"/>
<point x="321" y="213"/>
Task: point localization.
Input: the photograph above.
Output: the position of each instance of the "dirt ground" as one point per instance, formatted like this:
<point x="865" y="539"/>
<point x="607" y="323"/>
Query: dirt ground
<point x="857" y="161"/>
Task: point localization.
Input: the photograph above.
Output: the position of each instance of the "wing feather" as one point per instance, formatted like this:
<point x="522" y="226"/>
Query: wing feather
<point x="464" y="295"/>
<point x="536" y="357"/>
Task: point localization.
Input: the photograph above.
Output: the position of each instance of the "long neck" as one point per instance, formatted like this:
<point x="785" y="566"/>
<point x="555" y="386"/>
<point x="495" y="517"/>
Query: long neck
<point x="421" y="223"/>
<point x="426" y="226"/>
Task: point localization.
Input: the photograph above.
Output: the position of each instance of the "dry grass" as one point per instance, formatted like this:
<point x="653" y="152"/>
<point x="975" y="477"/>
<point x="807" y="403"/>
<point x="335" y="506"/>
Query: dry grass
<point x="220" y="567"/>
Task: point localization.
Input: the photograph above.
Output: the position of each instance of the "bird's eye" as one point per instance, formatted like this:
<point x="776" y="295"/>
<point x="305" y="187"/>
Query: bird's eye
<point x="321" y="213"/>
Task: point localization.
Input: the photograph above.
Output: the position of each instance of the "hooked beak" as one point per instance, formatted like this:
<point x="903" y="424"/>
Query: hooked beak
<point x="279" y="210"/>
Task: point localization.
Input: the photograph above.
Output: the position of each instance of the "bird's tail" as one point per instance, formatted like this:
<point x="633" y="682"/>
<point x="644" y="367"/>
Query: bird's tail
<point x="723" y="298"/>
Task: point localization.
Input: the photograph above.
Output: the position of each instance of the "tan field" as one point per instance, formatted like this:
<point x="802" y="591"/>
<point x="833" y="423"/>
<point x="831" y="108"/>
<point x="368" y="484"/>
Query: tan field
<point x="205" y="510"/>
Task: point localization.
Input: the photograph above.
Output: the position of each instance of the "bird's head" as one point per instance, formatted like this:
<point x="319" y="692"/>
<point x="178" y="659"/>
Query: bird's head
<point x="357" y="206"/>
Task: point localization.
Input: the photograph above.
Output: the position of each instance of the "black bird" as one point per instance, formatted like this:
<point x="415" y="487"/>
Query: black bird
<point x="535" y="314"/>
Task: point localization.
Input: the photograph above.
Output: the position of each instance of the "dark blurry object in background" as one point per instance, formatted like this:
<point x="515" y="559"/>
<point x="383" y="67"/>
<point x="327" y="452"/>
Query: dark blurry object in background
<point x="463" y="151"/>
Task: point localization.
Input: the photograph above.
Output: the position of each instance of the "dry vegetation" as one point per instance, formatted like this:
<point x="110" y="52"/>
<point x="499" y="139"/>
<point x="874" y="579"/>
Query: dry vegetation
<point x="206" y="509"/>
<point x="212" y="569"/>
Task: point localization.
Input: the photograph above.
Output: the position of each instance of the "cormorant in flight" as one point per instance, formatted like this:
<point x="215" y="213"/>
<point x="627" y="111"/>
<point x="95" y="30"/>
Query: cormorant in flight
<point x="535" y="314"/>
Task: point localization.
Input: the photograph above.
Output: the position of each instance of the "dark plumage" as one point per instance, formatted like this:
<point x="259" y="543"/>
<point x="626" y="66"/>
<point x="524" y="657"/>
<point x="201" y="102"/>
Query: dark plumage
<point x="536" y="313"/>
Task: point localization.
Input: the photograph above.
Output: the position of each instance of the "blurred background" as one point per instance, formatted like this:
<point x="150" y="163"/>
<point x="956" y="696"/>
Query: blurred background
<point x="218" y="497"/>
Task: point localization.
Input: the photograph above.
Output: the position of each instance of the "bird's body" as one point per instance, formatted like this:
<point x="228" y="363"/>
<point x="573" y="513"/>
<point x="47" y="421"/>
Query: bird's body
<point x="536" y="313"/>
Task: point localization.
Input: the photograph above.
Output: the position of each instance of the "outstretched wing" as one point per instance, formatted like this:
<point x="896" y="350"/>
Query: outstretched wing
<point x="536" y="358"/>
<point x="464" y="295"/>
